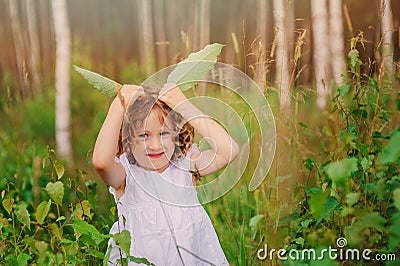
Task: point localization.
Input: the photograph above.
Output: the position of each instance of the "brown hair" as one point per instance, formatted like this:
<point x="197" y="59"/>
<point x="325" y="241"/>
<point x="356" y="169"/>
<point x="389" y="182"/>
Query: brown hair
<point x="136" y="114"/>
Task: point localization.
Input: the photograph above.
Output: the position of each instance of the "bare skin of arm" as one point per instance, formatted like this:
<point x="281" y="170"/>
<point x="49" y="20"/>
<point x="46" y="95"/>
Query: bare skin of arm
<point x="224" y="148"/>
<point x="106" y="144"/>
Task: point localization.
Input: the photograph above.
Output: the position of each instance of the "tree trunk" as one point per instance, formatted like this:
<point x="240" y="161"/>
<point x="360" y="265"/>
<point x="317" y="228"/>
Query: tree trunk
<point x="147" y="38"/>
<point x="387" y="34"/>
<point x="204" y="23"/>
<point x="262" y="33"/>
<point x="161" y="39"/>
<point x="320" y="49"/>
<point x="18" y="48"/>
<point x="336" y="39"/>
<point x="34" y="45"/>
<point x="281" y="57"/>
<point x="63" y="64"/>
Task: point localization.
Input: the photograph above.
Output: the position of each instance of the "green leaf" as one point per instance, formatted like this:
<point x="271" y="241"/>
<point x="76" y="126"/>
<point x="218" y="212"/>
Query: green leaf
<point x="353" y="55"/>
<point x="23" y="215"/>
<point x="394" y="232"/>
<point x="341" y="170"/>
<point x="396" y="198"/>
<point x="352" y="198"/>
<point x="42" y="211"/>
<point x="317" y="203"/>
<point x="105" y="85"/>
<point x="55" y="191"/>
<point x="83" y="227"/>
<point x="254" y="221"/>
<point x="194" y="68"/>
<point x="391" y="152"/>
<point x="107" y="256"/>
<point x="95" y="253"/>
<point x="139" y="260"/>
<point x="22" y="259"/>
<point x="59" y="170"/>
<point x="344" y="89"/>
<point x="123" y="240"/>
<point x="8" y="204"/>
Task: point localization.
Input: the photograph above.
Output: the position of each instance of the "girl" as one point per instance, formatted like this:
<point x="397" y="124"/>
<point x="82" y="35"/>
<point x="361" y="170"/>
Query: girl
<point x="149" y="170"/>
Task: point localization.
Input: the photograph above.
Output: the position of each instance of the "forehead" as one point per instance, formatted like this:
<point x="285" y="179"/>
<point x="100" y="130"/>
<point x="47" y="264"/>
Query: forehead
<point x="156" y="120"/>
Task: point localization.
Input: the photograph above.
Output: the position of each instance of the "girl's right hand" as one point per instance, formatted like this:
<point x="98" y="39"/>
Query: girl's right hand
<point x="129" y="93"/>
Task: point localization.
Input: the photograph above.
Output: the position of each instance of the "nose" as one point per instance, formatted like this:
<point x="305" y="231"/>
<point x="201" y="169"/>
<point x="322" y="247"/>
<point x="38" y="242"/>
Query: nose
<point x="154" y="143"/>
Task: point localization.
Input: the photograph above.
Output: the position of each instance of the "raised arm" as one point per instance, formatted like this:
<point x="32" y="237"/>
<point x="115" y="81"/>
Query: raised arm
<point x="106" y="145"/>
<point x="224" y="148"/>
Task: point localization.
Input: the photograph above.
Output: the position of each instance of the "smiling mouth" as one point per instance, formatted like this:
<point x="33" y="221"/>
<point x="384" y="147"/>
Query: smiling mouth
<point x="155" y="155"/>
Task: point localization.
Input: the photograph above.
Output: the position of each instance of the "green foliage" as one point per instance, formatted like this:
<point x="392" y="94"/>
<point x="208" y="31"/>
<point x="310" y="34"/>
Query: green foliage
<point x="105" y="85"/>
<point x="194" y="68"/>
<point x="186" y="74"/>
<point x="45" y="233"/>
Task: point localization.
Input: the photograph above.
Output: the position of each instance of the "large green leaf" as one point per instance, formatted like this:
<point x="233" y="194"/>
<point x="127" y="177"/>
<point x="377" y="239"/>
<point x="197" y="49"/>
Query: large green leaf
<point x="23" y="215"/>
<point x="85" y="228"/>
<point x="105" y="85"/>
<point x="194" y="68"/>
<point x="56" y="191"/>
<point x="42" y="211"/>
<point x="341" y="170"/>
<point x="391" y="152"/>
<point x="123" y="240"/>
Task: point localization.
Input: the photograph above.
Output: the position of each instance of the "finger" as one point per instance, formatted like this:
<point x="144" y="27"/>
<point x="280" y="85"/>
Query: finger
<point x="166" y="88"/>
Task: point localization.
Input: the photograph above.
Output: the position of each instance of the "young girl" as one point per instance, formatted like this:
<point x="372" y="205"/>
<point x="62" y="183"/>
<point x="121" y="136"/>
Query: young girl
<point x="151" y="169"/>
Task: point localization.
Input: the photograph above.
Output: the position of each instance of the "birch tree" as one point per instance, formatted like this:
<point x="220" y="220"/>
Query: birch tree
<point x="18" y="48"/>
<point x="281" y="57"/>
<point x="320" y="48"/>
<point x="63" y="64"/>
<point x="147" y="50"/>
<point x="387" y="34"/>
<point x="34" y="45"/>
<point x="336" y="40"/>
<point x="161" y="39"/>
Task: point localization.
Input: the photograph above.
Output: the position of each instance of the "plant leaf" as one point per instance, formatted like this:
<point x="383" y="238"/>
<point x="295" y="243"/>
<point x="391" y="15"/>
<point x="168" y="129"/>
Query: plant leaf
<point x="56" y="191"/>
<point x="123" y="240"/>
<point x="85" y="228"/>
<point x="391" y="152"/>
<point x="341" y="170"/>
<point x="42" y="211"/>
<point x="193" y="69"/>
<point x="8" y="204"/>
<point x="23" y="215"/>
<point x="105" y="85"/>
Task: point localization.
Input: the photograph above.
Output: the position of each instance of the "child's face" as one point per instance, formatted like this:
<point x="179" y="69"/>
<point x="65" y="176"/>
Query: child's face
<point x="155" y="145"/>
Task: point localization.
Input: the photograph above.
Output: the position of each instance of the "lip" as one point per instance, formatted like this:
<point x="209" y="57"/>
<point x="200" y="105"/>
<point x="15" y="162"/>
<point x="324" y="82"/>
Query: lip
<point x="155" y="155"/>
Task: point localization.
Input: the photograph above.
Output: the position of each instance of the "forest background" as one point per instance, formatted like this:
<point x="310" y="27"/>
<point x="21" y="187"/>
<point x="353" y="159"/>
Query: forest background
<point x="328" y="68"/>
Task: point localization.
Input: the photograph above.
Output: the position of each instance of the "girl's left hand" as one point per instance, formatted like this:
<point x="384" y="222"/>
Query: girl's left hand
<point x="172" y="95"/>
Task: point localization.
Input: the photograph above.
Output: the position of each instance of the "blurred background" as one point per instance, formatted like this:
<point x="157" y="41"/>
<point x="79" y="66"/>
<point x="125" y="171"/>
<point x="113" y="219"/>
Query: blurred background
<point x="298" y="51"/>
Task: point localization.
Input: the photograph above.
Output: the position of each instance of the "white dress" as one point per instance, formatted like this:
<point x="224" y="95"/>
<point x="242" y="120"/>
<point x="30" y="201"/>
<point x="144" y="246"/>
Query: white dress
<point x="168" y="226"/>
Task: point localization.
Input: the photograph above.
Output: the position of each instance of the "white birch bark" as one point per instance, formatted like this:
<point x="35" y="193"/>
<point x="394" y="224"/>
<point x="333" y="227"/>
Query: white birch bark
<point x="147" y="38"/>
<point x="18" y="47"/>
<point x="204" y="23"/>
<point x="336" y="40"/>
<point x="160" y="32"/>
<point x="281" y="57"/>
<point x="387" y="33"/>
<point x="63" y="64"/>
<point x="319" y="18"/>
<point x="34" y="45"/>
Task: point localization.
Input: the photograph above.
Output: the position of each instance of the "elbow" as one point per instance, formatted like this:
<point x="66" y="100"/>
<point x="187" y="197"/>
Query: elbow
<point x="99" y="164"/>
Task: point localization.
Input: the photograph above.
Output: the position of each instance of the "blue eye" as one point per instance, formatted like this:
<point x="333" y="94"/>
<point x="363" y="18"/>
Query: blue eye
<point x="164" y="133"/>
<point x="143" y="135"/>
